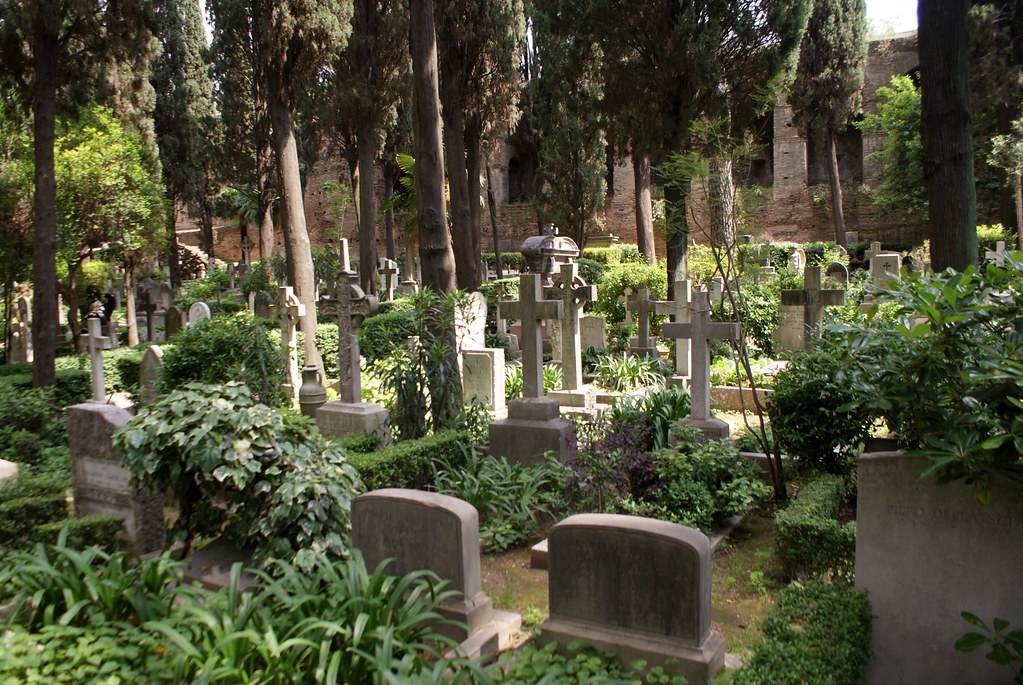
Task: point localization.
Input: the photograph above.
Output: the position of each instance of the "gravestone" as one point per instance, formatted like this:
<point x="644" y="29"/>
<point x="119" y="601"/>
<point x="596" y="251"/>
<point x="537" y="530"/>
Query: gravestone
<point x="471" y="323"/>
<point x="924" y="554"/>
<point x="349" y="306"/>
<point x="501" y="324"/>
<point x="838" y="272"/>
<point x="997" y="256"/>
<point x="593" y="333"/>
<point x="149" y="309"/>
<point x="717" y="291"/>
<point x="101" y="485"/>
<point x="638" y="587"/>
<point x="199" y="311"/>
<point x="290" y="310"/>
<point x="797" y="259"/>
<point x="261" y="305"/>
<point x="8" y="470"/>
<point x="639" y="307"/>
<point x="573" y="292"/>
<point x="483" y="378"/>
<point x="388" y="272"/>
<point x="246" y="247"/>
<point x="97" y="343"/>
<point x="678" y="310"/>
<point x="173" y="322"/>
<point x="884" y="267"/>
<point x="420" y="531"/>
<point x="874" y="250"/>
<point x="801" y="312"/>
<point x="534" y="425"/>
<point x="700" y="330"/>
<point x="149" y="374"/>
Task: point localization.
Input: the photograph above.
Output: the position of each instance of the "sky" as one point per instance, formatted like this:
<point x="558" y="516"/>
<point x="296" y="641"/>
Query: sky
<point x="892" y="15"/>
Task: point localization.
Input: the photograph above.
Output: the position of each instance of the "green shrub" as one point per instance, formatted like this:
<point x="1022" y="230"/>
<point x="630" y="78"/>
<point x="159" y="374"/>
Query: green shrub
<point x="583" y="664"/>
<point x="590" y="271"/>
<point x="622" y="253"/>
<point x="631" y="275"/>
<point x="627" y="373"/>
<point x="21" y="518"/>
<point x="758" y="310"/>
<point x="409" y="464"/>
<point x="30" y="424"/>
<point x="218" y="351"/>
<point x="509" y="260"/>
<point x="86" y="531"/>
<point x="814" y="633"/>
<point x="378" y="333"/>
<point x="16" y="369"/>
<point x="277" y="484"/>
<point x="809" y="540"/>
<point x="660" y="409"/>
<point x="401" y="303"/>
<point x="809" y="413"/>
<point x="723" y="371"/>
<point x="358" y="443"/>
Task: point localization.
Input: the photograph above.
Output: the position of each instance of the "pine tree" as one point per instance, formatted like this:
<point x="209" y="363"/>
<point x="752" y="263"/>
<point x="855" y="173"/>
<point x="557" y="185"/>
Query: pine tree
<point x="826" y="94"/>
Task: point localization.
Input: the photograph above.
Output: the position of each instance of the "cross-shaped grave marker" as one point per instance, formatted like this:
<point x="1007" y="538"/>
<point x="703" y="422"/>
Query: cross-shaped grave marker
<point x="349" y="306"/>
<point x="639" y="307"/>
<point x="700" y="330"/>
<point x="247" y="246"/>
<point x="531" y="310"/>
<point x="573" y="292"/>
<point x="389" y="270"/>
<point x="814" y="299"/>
<point x="997" y="255"/>
<point x="97" y="343"/>
<point x="149" y="307"/>
<point x="678" y="310"/>
<point x="290" y="309"/>
<point x="875" y="249"/>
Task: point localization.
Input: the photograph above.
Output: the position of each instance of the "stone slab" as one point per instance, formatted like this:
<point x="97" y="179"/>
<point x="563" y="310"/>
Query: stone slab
<point x="533" y="409"/>
<point x="712" y="429"/>
<point x="211" y="565"/>
<point x="924" y="554"/>
<point x="731" y="398"/>
<point x="344" y="418"/>
<point x="584" y="398"/>
<point x="526" y="442"/>
<point x="483" y="377"/>
<point x="8" y="469"/>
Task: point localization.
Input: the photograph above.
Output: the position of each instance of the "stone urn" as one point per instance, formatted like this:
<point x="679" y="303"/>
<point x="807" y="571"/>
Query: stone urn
<point x="312" y="394"/>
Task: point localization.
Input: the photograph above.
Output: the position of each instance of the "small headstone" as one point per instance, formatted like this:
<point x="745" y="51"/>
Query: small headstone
<point x="678" y="310"/>
<point x="838" y="272"/>
<point x="471" y="323"/>
<point x="797" y="259"/>
<point x="290" y="310"/>
<point x="149" y="374"/>
<point x="640" y="307"/>
<point x="101" y="485"/>
<point x="483" y="378"/>
<point x="852" y="237"/>
<point x="261" y="305"/>
<point x="638" y="587"/>
<point x="199" y="311"/>
<point x="592" y="332"/>
<point x="173" y="322"/>
<point x="8" y="470"/>
<point x="97" y="343"/>
<point x="149" y="309"/>
<point x="388" y="271"/>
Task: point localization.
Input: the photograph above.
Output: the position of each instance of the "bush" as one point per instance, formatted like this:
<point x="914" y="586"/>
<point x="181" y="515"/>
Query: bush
<point x="810" y="414"/>
<point x="277" y="484"/>
<point x="809" y="539"/>
<point x="509" y="260"/>
<point x="85" y="531"/>
<point x="623" y="253"/>
<point x="217" y="351"/>
<point x="590" y="271"/>
<point x="410" y="464"/>
<point x="619" y="277"/>
<point x="30" y="424"/>
<point x="20" y="518"/>
<point x="583" y="664"/>
<point x="659" y="409"/>
<point x="627" y="373"/>
<point x="815" y="633"/>
<point x="358" y="443"/>
<point x="378" y="333"/>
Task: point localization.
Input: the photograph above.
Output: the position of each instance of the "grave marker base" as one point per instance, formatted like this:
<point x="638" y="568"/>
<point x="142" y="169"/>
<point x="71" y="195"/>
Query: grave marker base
<point x="343" y="418"/>
<point x="534" y="426"/>
<point x="644" y="352"/>
<point x="712" y="429"/>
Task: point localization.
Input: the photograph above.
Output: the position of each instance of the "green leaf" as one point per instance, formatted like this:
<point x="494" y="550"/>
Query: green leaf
<point x="970" y="642"/>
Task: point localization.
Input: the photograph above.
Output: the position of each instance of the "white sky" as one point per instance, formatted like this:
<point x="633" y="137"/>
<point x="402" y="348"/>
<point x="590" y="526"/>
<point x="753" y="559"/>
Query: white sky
<point x="891" y="15"/>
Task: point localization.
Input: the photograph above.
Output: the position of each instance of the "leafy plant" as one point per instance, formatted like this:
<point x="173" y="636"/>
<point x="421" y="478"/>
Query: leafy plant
<point x="631" y="275"/>
<point x="547" y="665"/>
<point x="227" y="459"/>
<point x="1006" y="648"/>
<point x="627" y="373"/>
<point x="660" y="409"/>
<point x="810" y="540"/>
<point x="512" y="382"/>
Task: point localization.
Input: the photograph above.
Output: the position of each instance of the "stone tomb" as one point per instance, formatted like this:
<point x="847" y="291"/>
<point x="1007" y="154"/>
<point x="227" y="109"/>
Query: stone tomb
<point x="426" y="531"/>
<point x="924" y="554"/>
<point x="638" y="587"/>
<point x="101" y="485"/>
<point x="149" y="374"/>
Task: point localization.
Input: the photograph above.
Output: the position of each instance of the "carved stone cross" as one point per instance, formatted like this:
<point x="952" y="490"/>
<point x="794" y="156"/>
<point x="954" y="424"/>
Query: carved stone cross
<point x="97" y="343"/>
<point x="997" y="255"/>
<point x="531" y="310"/>
<point x="290" y="310"/>
<point x="814" y="299"/>
<point x="247" y="246"/>
<point x="349" y="306"/>
<point x="700" y="331"/>
<point x="389" y="270"/>
<point x="639" y="307"/>
<point x="149" y="307"/>
<point x="678" y="310"/>
<point x="573" y="292"/>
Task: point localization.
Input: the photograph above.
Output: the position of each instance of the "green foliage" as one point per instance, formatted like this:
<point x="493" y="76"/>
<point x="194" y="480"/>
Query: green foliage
<point x="659" y="409"/>
<point x="1006" y="647"/>
<point x="627" y="373"/>
<point x="810" y="411"/>
<point x="409" y="464"/>
<point x="513" y="382"/>
<point x="327" y="344"/>
<point x="723" y="371"/>
<point x="378" y="333"/>
<point x="630" y="275"/>
<point x="129" y="367"/>
<point x="80" y="532"/>
<point x="902" y="173"/>
<point x="358" y="443"/>
<point x="513" y="501"/>
<point x="621" y="253"/>
<point x="257" y="279"/>
<point x="277" y="484"/>
<point x="591" y="271"/>
<point x="946" y="373"/>
<point x="809" y="540"/>
<point x="815" y="633"/>
<point x="583" y="664"/>
<point x="223" y="350"/>
<point x="758" y="311"/>
<point x="19" y="518"/>
<point x="510" y="260"/>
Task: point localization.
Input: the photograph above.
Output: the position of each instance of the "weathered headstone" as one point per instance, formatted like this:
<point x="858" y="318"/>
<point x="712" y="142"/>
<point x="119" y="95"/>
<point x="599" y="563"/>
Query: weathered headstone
<point x="838" y="272"/>
<point x="874" y="250"/>
<point x="639" y="307"/>
<point x="593" y="333"/>
<point x="173" y="322"/>
<point x="501" y="323"/>
<point x="678" y="310"/>
<point x="483" y="378"/>
<point x="149" y="374"/>
<point x="638" y="587"/>
<point x="8" y="470"/>
<point x="700" y="331"/>
<point x="261" y="305"/>
<point x="797" y="259"/>
<point x="534" y="425"/>
<point x="246" y="247"/>
<point x="424" y="531"/>
<point x="97" y="342"/>
<point x="471" y="323"/>
<point x="199" y="311"/>
<point x="290" y="310"/>
<point x="149" y="308"/>
<point x="884" y="267"/>
<point x="925" y="553"/>
<point x="388" y="271"/>
<point x="997" y="256"/>
<point x="101" y="485"/>
<point x="801" y="312"/>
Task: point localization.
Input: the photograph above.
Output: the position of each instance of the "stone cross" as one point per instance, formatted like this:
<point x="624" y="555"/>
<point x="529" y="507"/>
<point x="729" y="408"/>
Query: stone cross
<point x="875" y="249"/>
<point x="149" y="307"/>
<point x="351" y="305"/>
<point x="573" y="292"/>
<point x="678" y="310"/>
<point x="531" y="310"/>
<point x="97" y="343"/>
<point x="389" y="270"/>
<point x="816" y="299"/>
<point x="247" y="246"/>
<point x="639" y="307"/>
<point x="230" y="276"/>
<point x="290" y="310"/>
<point x="346" y="264"/>
<point x="997" y="255"/>
<point x="700" y="330"/>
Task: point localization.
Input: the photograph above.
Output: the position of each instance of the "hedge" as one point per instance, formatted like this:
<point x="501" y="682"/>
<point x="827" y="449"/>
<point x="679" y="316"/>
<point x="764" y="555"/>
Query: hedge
<point x="809" y="540"/>
<point x="20" y="518"/>
<point x="98" y="530"/>
<point x="815" y="633"/>
<point x="409" y="464"/>
<point x="72" y="386"/>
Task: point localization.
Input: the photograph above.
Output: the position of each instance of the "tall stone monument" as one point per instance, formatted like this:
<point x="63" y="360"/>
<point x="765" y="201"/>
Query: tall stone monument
<point x="573" y="292"/>
<point x="678" y="310"/>
<point x="640" y="307"/>
<point x="290" y="310"/>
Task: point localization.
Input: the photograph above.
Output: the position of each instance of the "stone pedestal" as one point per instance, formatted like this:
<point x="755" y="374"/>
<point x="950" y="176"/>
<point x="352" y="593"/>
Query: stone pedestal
<point x="712" y="429"/>
<point x="644" y="352"/>
<point x="583" y="398"/>
<point x="344" y="418"/>
<point x="534" y="426"/>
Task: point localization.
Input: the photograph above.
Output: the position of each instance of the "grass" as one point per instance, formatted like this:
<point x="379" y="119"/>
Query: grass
<point x="743" y="580"/>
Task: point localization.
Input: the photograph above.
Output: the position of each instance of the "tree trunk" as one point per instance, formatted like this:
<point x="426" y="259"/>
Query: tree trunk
<point x="835" y="181"/>
<point x="296" y="238"/>
<point x="435" y="255"/>
<point x="44" y="262"/>
<point x="678" y="231"/>
<point x="946" y="133"/>
<point x="264" y="207"/>
<point x="473" y="161"/>
<point x="389" y="214"/>
<point x="492" y="203"/>
<point x="129" y="304"/>
<point x="173" y="265"/>
<point x="644" y="206"/>
<point x="458" y="181"/>
<point x="722" y="200"/>
<point x="1017" y="191"/>
<point x="74" y="315"/>
<point x="366" y="142"/>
